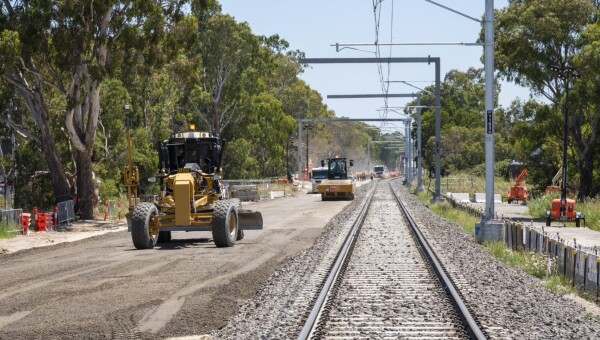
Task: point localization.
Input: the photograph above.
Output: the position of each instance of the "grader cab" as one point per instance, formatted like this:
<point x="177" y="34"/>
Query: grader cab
<point x="191" y="195"/>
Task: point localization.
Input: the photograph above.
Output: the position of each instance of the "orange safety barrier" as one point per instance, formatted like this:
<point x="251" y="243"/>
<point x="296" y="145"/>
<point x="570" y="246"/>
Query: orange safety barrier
<point x="25" y="217"/>
<point x="42" y="223"/>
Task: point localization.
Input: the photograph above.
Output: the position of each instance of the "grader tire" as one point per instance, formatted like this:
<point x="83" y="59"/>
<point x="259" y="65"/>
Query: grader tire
<point x="225" y="224"/>
<point x="164" y="237"/>
<point x="140" y="226"/>
<point x="238" y="204"/>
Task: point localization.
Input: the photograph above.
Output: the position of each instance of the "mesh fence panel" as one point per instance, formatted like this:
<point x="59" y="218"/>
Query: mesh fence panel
<point x="10" y="220"/>
<point x="66" y="213"/>
<point x="113" y="210"/>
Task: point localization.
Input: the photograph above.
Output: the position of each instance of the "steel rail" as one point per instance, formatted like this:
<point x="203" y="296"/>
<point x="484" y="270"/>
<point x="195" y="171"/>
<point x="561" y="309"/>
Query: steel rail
<point x="463" y="312"/>
<point x="342" y="256"/>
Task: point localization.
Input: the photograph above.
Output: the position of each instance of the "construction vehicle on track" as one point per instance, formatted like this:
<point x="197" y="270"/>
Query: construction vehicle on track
<point x="338" y="184"/>
<point x="518" y="192"/>
<point x="191" y="194"/>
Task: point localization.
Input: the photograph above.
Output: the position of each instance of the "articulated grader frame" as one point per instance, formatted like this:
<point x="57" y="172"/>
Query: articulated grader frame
<point x="191" y="195"/>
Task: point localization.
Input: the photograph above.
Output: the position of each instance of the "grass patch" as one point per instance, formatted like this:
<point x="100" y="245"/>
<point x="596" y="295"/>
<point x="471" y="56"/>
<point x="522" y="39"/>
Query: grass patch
<point x="560" y="285"/>
<point x="7" y="231"/>
<point x="534" y="264"/>
<point x="464" y="220"/>
<point x="538" y="206"/>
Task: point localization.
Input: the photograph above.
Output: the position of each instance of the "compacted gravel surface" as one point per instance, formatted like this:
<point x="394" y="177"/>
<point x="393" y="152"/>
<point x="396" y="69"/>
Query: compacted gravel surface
<point x="103" y="288"/>
<point x="507" y="303"/>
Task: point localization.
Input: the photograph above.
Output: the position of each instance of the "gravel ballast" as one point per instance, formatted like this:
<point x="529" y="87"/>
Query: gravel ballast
<point x="507" y="302"/>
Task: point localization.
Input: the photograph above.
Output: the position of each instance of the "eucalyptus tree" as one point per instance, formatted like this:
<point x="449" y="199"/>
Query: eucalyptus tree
<point x="67" y="50"/>
<point x="532" y="36"/>
<point x="228" y="51"/>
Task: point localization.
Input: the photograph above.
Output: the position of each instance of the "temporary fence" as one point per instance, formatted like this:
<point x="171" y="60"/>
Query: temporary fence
<point x="10" y="220"/>
<point x="457" y="184"/>
<point x="254" y="190"/>
<point x="114" y="210"/>
<point x="578" y="264"/>
<point x="65" y="213"/>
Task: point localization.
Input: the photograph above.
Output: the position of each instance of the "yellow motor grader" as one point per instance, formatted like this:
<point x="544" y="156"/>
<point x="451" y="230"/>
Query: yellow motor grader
<point x="191" y="194"/>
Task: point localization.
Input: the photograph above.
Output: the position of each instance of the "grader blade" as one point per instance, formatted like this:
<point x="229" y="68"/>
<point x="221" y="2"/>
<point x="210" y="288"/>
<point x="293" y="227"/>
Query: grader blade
<point x="250" y="220"/>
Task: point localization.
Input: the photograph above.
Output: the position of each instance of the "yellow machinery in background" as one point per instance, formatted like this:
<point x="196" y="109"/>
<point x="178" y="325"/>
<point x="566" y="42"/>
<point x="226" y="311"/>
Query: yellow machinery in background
<point x="338" y="184"/>
<point x="191" y="194"/>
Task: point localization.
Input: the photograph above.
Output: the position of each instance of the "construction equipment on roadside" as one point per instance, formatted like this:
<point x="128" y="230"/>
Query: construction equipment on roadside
<point x="518" y="192"/>
<point x="556" y="183"/>
<point x="318" y="175"/>
<point x="191" y="195"/>
<point x="564" y="208"/>
<point x="338" y="184"/>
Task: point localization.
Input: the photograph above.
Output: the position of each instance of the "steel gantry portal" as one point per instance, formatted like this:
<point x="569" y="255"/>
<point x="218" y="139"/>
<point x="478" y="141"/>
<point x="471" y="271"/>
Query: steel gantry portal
<point x="301" y="122"/>
<point x="409" y="173"/>
<point x="438" y="123"/>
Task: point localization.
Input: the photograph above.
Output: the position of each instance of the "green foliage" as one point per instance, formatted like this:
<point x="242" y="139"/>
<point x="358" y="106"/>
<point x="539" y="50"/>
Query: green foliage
<point x="532" y="36"/>
<point x="10" y="46"/>
<point x="175" y="68"/>
<point x="559" y="285"/>
<point x="462" y="135"/>
<point x="464" y="220"/>
<point x="533" y="264"/>
<point x="108" y="189"/>
<point x="591" y="210"/>
<point x="237" y="162"/>
<point x="538" y="206"/>
<point x="7" y="231"/>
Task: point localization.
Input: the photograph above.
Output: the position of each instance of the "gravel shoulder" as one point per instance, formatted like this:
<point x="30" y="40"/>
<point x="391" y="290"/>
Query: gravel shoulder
<point x="101" y="287"/>
<point x="76" y="231"/>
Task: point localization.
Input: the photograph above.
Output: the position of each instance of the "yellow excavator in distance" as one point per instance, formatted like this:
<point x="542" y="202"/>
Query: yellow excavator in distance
<point x="191" y="194"/>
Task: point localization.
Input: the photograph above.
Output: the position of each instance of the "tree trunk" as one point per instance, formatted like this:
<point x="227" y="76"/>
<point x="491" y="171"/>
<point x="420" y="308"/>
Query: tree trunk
<point x="85" y="185"/>
<point x="585" y="165"/>
<point x="57" y="172"/>
<point x="35" y="103"/>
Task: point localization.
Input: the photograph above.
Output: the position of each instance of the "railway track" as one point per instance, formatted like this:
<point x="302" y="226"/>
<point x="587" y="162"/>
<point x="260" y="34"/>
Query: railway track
<point x="387" y="283"/>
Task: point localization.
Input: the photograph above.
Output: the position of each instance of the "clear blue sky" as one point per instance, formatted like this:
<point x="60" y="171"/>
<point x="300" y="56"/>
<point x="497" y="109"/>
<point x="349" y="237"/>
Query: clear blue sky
<point x="313" y="25"/>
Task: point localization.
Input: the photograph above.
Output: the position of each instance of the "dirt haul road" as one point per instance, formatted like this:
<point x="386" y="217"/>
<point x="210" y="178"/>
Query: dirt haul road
<point x="102" y="287"/>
